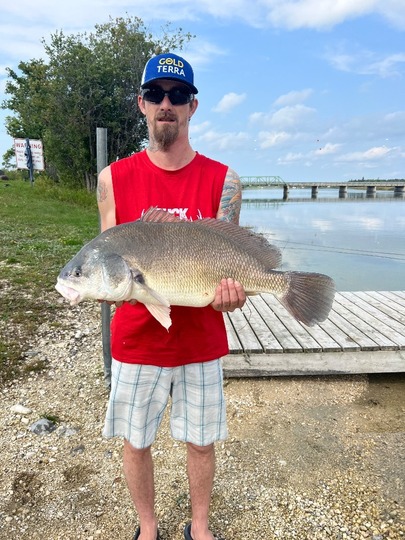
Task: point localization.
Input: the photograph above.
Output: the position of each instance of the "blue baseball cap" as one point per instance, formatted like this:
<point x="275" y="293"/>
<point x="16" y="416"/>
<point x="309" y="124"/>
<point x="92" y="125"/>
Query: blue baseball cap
<point x="168" y="66"/>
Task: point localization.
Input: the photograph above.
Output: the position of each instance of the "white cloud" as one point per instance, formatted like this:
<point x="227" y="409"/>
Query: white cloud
<point x="326" y="150"/>
<point x="372" y="154"/>
<point x="229" y="102"/>
<point x="229" y="141"/>
<point x="290" y="14"/>
<point x="293" y="97"/>
<point x="291" y="116"/>
<point x="196" y="129"/>
<point x="267" y="139"/>
<point x="291" y="157"/>
<point x="295" y="14"/>
<point x="347" y="58"/>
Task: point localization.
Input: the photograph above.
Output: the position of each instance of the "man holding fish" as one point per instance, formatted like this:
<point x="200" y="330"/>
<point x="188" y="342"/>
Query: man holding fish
<point x="151" y="363"/>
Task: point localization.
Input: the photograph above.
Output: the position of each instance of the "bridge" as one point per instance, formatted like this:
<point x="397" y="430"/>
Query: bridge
<point x="371" y="185"/>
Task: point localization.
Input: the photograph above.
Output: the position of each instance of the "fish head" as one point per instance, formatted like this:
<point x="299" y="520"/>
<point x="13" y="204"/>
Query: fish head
<point x="94" y="274"/>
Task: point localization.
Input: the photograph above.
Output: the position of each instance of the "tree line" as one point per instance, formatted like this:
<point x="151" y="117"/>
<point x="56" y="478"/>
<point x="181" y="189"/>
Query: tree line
<point x="89" y="80"/>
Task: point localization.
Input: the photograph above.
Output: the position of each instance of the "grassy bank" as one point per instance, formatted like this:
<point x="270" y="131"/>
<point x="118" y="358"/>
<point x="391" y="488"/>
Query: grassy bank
<point x="41" y="228"/>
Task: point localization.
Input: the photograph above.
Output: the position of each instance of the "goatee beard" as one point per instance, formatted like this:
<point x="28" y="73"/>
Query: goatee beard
<point x="164" y="135"/>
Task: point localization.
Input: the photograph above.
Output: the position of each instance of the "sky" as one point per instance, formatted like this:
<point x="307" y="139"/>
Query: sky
<point x="307" y="90"/>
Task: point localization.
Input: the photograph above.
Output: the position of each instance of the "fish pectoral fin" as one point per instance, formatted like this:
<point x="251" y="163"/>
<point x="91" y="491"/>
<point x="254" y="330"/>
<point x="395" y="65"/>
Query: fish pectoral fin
<point x="157" y="305"/>
<point x="161" y="314"/>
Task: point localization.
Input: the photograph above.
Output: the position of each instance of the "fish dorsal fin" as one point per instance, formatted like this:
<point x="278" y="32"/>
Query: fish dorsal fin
<point x="157" y="215"/>
<point x="255" y="244"/>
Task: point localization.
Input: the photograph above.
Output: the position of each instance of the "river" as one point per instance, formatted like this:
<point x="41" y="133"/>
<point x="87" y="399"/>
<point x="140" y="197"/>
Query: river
<point x="359" y="240"/>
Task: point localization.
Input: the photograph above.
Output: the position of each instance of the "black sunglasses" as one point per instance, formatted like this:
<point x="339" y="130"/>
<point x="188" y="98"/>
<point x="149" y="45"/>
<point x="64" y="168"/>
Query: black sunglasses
<point x="177" y="95"/>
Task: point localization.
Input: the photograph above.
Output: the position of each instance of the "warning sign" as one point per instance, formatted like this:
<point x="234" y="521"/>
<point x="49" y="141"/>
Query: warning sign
<point x="37" y="155"/>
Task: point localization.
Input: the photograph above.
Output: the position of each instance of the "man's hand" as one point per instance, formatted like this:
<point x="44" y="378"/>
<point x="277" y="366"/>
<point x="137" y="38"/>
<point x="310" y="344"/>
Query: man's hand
<point x="229" y="295"/>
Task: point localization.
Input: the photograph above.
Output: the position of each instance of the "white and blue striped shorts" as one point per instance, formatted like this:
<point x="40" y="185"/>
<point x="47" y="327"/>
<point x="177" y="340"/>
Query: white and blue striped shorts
<point x="140" y="393"/>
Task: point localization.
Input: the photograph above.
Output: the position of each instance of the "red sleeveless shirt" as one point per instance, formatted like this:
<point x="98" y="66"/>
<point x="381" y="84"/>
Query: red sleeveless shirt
<point x="193" y="192"/>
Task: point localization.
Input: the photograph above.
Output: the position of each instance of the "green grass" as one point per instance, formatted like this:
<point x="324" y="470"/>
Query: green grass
<point x="42" y="227"/>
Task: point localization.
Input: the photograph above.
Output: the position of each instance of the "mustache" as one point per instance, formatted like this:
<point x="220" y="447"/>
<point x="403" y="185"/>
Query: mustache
<point x="167" y="115"/>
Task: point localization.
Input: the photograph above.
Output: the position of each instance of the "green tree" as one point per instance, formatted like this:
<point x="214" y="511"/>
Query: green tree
<point x="90" y="80"/>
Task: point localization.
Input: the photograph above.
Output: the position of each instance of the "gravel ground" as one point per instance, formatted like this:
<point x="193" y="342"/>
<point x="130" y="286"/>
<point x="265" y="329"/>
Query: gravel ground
<point x="306" y="458"/>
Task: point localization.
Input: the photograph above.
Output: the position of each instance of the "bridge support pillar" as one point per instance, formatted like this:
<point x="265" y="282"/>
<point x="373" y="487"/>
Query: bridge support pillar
<point x="314" y="192"/>
<point x="399" y="191"/>
<point x="342" y="192"/>
<point x="371" y="191"/>
<point x="285" y="192"/>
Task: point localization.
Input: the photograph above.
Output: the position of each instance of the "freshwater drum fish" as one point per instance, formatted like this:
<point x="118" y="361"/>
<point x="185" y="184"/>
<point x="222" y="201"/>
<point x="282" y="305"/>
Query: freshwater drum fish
<point x="161" y="261"/>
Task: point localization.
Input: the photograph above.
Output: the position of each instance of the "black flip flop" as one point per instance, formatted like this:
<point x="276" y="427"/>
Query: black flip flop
<point x="187" y="532"/>
<point x="138" y="534"/>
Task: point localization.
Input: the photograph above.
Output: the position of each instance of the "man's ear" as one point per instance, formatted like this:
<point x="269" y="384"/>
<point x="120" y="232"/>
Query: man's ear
<point x="193" y="107"/>
<point x="141" y="105"/>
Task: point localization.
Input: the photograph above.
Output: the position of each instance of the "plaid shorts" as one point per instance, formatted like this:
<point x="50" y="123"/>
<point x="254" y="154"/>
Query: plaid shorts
<point x="140" y="394"/>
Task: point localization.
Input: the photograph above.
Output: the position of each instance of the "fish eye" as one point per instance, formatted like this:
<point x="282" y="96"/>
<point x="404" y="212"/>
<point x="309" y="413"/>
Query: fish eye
<point x="77" y="272"/>
<point x="138" y="278"/>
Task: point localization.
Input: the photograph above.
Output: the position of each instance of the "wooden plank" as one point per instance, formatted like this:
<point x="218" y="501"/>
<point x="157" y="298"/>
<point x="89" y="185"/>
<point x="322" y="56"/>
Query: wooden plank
<point x="382" y="334"/>
<point x="365" y="324"/>
<point x="296" y="364"/>
<point x="246" y="335"/>
<point x="279" y="330"/>
<point x="306" y="341"/>
<point x="261" y="329"/>
<point x="354" y="336"/>
<point x="322" y="334"/>
<point x="396" y="300"/>
<point x="384" y="303"/>
<point x="345" y="342"/>
<point x="400" y="294"/>
<point x="391" y="316"/>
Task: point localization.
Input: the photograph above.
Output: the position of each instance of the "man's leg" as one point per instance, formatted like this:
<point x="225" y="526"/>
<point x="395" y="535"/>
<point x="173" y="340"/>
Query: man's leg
<point x="138" y="470"/>
<point x="200" y="469"/>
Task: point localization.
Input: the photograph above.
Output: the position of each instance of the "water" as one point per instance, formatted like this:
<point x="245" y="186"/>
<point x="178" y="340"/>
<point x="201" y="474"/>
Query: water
<point x="358" y="241"/>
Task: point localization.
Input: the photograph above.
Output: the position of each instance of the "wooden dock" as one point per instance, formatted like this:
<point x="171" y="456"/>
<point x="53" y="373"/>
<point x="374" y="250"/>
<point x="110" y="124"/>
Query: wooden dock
<point x="364" y="333"/>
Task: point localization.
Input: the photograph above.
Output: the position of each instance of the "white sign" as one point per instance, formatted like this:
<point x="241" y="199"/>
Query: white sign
<point x="36" y="151"/>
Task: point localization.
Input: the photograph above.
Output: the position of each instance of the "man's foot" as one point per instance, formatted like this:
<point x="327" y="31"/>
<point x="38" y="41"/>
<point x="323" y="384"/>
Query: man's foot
<point x="138" y="534"/>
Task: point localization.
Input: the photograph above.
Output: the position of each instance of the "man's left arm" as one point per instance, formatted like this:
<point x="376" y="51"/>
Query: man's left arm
<point x="231" y="198"/>
<point x="230" y="294"/>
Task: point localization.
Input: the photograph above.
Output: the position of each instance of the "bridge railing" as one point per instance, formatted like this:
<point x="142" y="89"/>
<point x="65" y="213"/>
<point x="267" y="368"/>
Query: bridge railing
<point x="262" y="181"/>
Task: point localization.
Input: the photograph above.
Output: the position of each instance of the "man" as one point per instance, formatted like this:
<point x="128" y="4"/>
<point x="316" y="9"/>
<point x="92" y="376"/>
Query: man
<point x="150" y="364"/>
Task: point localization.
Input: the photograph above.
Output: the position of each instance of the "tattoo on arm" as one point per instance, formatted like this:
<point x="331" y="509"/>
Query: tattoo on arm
<point x="101" y="191"/>
<point x="231" y="199"/>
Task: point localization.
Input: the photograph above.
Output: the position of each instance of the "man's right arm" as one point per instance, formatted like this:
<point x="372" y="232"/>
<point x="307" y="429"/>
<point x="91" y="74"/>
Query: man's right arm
<point x="106" y="206"/>
<point x="105" y="199"/>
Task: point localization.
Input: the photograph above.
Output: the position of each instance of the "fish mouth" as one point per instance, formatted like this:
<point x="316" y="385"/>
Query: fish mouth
<point x="70" y="294"/>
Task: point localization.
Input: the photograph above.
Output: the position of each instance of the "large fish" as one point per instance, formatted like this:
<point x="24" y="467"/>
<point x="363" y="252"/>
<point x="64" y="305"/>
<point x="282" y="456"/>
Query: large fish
<point x="162" y="261"/>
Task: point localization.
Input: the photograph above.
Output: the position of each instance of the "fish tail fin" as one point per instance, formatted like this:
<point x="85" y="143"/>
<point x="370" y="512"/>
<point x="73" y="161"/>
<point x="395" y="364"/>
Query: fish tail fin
<point x="308" y="297"/>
